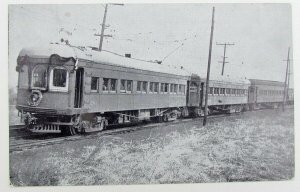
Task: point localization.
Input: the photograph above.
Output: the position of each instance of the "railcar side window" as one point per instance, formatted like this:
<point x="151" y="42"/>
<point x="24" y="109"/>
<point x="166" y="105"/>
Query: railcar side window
<point x="126" y="86"/>
<point x="39" y="77"/>
<point x="109" y="85"/>
<point x="144" y="90"/>
<point x="105" y="84"/>
<point x="222" y="91"/>
<point x="176" y="88"/>
<point x="59" y="78"/>
<point x="156" y="87"/>
<point x="129" y="86"/>
<point x="233" y="91"/>
<point x="95" y="84"/>
<point x="139" y="86"/>
<point x="216" y="91"/>
<point x="113" y="84"/>
<point x="162" y="86"/>
<point x="123" y="86"/>
<point x="211" y="90"/>
<point x="227" y="91"/>
<point x="166" y="87"/>
<point x="171" y="88"/>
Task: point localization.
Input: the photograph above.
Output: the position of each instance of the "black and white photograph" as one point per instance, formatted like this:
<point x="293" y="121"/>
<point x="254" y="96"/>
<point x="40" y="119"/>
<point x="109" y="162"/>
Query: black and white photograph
<point x="116" y="93"/>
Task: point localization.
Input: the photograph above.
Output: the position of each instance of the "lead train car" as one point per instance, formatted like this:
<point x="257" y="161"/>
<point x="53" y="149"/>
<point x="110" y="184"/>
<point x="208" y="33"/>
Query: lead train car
<point x="66" y="89"/>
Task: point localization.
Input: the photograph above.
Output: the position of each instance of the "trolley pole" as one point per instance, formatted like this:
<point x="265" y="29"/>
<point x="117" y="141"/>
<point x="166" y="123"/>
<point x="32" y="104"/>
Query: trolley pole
<point x="285" y="81"/>
<point x="208" y="66"/>
<point x="224" y="55"/>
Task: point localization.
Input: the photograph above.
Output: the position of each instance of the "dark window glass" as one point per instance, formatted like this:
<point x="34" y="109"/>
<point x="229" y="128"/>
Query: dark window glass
<point x="162" y="86"/>
<point x="171" y="88"/>
<point x="105" y="84"/>
<point x="175" y="88"/>
<point x="151" y="89"/>
<point x="228" y="91"/>
<point x="211" y="90"/>
<point x="216" y="90"/>
<point x="166" y="87"/>
<point x="39" y="76"/>
<point x="144" y="86"/>
<point x="59" y="77"/>
<point x="94" y="84"/>
<point x="139" y="86"/>
<point x="113" y="84"/>
<point x="155" y="87"/>
<point x="129" y="85"/>
<point x="123" y="86"/>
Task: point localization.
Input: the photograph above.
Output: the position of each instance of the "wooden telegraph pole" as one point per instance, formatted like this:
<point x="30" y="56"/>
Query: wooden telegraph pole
<point x="208" y="66"/>
<point x="285" y="81"/>
<point x="103" y="26"/>
<point x="224" y="56"/>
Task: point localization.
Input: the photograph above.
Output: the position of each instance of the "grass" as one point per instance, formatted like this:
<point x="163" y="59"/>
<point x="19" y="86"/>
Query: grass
<point x="256" y="146"/>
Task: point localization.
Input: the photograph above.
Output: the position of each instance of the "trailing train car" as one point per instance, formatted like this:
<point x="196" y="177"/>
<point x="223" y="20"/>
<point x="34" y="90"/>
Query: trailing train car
<point x="265" y="94"/>
<point x="227" y="94"/>
<point x="62" y="88"/>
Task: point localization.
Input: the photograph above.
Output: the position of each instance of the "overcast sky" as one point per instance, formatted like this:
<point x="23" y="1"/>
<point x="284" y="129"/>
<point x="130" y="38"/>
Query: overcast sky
<point x="261" y="33"/>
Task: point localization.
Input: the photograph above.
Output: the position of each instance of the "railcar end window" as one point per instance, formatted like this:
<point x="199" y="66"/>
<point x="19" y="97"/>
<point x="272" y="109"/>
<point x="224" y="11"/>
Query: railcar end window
<point x="59" y="77"/>
<point x="95" y="84"/>
<point x="39" y="77"/>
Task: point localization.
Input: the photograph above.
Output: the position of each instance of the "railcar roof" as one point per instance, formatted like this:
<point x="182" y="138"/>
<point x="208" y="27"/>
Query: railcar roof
<point x="266" y="82"/>
<point x="225" y="79"/>
<point x="101" y="57"/>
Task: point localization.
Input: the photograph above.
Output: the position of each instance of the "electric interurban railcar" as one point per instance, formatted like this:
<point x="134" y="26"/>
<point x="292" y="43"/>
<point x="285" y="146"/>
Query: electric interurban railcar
<point x="67" y="89"/>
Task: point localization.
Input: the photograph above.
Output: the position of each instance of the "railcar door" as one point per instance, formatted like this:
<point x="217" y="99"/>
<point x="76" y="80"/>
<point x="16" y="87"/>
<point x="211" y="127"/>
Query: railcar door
<point x="78" y="88"/>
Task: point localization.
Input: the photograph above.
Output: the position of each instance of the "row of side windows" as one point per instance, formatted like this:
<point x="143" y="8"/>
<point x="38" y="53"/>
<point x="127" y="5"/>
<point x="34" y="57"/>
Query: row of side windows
<point x="227" y="91"/>
<point x="126" y="86"/>
<point x="271" y="92"/>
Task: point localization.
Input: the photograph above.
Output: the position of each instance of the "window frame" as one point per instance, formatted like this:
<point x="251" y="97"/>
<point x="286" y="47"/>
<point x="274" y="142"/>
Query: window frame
<point x="97" y="88"/>
<point x="46" y="77"/>
<point x="55" y="88"/>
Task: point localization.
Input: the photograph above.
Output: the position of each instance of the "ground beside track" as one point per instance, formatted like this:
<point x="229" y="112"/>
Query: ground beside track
<point x="255" y="146"/>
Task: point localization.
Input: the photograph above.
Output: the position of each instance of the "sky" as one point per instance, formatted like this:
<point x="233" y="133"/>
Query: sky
<point x="178" y="34"/>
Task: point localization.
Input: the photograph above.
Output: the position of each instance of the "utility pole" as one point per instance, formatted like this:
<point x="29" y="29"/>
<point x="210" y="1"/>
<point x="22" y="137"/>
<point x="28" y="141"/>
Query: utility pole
<point x="285" y="82"/>
<point x="103" y="26"/>
<point x="102" y="29"/>
<point x="208" y="66"/>
<point x="225" y="45"/>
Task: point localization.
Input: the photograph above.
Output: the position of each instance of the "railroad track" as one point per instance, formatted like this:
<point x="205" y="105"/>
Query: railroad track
<point x="19" y="143"/>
